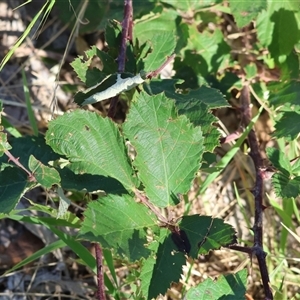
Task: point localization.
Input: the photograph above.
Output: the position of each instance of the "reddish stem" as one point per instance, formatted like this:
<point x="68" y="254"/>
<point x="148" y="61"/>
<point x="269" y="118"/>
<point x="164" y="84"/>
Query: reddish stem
<point x="100" y="279"/>
<point x="16" y="161"/>
<point x="126" y="36"/>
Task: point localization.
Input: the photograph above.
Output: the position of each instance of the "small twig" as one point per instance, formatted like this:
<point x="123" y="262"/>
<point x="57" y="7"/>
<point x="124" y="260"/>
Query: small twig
<point x="231" y="137"/>
<point x="152" y="74"/>
<point x="147" y="203"/>
<point x="100" y="279"/>
<point x="16" y="161"/>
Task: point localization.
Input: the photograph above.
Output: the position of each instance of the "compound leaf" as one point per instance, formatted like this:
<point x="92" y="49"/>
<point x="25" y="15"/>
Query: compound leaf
<point x="279" y="160"/>
<point x="285" y="186"/>
<point x="168" y="147"/>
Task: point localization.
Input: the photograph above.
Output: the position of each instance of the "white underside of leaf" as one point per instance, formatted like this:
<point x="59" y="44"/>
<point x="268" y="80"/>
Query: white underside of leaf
<point x="122" y="85"/>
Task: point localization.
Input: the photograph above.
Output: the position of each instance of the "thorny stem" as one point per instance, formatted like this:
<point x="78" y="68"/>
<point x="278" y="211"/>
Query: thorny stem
<point x="126" y="36"/>
<point x="147" y="203"/>
<point x="257" y="192"/>
<point x="16" y="161"/>
<point x="127" y="26"/>
<point x="100" y="280"/>
<point x="156" y="72"/>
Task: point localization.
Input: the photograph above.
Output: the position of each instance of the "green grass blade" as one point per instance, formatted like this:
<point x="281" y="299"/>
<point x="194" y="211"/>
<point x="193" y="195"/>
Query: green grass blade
<point x="77" y="247"/>
<point x="47" y="7"/>
<point x="110" y="263"/>
<point x="30" y="112"/>
<point x="10" y="128"/>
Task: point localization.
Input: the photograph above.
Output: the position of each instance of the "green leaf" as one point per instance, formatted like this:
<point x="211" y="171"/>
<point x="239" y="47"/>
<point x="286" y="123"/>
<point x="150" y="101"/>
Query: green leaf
<point x="200" y="115"/>
<point x="69" y="221"/>
<point x="88" y="182"/>
<point x="166" y="259"/>
<point x="209" y="96"/>
<point x="64" y="203"/>
<point x="4" y="145"/>
<point x="244" y="11"/>
<point x="211" y="46"/>
<point x="190" y="5"/>
<point x="288" y="126"/>
<point x="46" y="176"/>
<point x="23" y="147"/>
<point x="284" y="186"/>
<point x="296" y="167"/>
<point x="196" y="105"/>
<point x="163" y="45"/>
<point x="282" y="93"/>
<point x="168" y="147"/>
<point x="290" y="68"/>
<point x="229" y="287"/>
<point x="83" y="253"/>
<point x="13" y="182"/>
<point x="251" y="70"/>
<point x="264" y="28"/>
<point x="93" y="145"/>
<point x="155" y="279"/>
<point x="9" y="127"/>
<point x="279" y="160"/>
<point x="205" y="233"/>
<point x="90" y="77"/>
<point x="120" y="223"/>
<point x="146" y="28"/>
<point x="192" y="73"/>
<point x="286" y="30"/>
